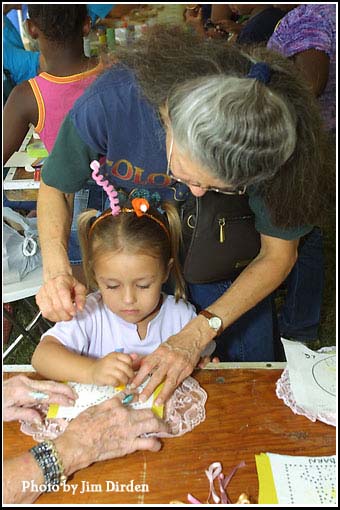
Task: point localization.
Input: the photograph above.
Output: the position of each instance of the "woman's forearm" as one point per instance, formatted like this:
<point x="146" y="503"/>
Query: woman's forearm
<point x="21" y="475"/>
<point x="54" y="361"/>
<point x="23" y="478"/>
<point x="54" y="211"/>
<point x="256" y="282"/>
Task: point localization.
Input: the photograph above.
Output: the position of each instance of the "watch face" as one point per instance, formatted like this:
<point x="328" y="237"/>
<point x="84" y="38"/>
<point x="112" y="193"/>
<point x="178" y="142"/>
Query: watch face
<point x="215" y="323"/>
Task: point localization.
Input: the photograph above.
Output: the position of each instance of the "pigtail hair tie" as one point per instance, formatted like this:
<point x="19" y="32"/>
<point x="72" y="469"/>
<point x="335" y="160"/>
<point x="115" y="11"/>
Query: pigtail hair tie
<point x="260" y="72"/>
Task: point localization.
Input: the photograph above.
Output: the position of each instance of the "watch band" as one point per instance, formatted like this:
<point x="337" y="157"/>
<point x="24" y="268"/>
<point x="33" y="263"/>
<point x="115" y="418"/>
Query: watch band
<point x="208" y="315"/>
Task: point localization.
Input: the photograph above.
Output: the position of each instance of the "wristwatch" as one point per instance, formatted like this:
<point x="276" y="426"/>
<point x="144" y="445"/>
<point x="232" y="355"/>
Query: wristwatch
<point x="214" y="322"/>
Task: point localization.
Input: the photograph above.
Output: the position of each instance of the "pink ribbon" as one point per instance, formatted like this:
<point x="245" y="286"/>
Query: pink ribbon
<point x="215" y="471"/>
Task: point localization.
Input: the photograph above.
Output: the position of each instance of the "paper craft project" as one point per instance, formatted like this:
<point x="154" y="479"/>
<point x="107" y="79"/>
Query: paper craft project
<point x="289" y="480"/>
<point x="182" y="412"/>
<point x="20" y="159"/>
<point x="308" y="384"/>
<point x="91" y="395"/>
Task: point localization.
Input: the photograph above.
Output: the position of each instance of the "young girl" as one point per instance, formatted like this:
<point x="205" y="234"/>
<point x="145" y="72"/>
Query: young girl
<point x="128" y="253"/>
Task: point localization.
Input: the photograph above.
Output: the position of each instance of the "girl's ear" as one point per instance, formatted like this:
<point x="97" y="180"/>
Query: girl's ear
<point x="32" y="29"/>
<point x="87" y="26"/>
<point x="168" y="269"/>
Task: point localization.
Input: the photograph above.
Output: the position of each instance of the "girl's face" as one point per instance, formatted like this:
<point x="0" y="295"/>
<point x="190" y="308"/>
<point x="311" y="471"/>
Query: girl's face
<point x="130" y="284"/>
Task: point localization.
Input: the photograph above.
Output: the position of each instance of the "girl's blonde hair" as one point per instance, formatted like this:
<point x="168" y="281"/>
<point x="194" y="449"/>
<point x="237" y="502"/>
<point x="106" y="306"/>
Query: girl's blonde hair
<point x="136" y="235"/>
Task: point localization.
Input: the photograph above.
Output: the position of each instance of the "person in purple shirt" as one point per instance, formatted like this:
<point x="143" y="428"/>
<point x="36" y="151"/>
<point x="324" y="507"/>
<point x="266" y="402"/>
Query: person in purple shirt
<point x="307" y="36"/>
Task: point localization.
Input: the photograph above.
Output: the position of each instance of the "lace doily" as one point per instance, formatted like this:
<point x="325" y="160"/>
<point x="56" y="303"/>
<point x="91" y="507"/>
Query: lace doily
<point x="284" y="392"/>
<point x="48" y="429"/>
<point x="183" y="411"/>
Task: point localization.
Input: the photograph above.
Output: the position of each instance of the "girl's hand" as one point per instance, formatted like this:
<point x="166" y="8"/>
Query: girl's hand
<point x="113" y="369"/>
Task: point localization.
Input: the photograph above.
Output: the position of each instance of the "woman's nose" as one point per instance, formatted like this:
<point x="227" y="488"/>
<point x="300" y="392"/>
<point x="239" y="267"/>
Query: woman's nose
<point x="197" y="191"/>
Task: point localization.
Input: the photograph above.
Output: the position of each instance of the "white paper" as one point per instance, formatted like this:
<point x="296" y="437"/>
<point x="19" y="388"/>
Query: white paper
<point x="88" y="395"/>
<point x="20" y="159"/>
<point x="91" y="395"/>
<point x="304" y="480"/>
<point x="312" y="377"/>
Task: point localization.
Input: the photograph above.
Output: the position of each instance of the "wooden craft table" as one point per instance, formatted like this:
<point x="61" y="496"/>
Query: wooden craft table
<point x="244" y="417"/>
<point x="21" y="192"/>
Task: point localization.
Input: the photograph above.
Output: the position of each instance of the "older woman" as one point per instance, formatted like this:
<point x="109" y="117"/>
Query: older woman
<point x="218" y="118"/>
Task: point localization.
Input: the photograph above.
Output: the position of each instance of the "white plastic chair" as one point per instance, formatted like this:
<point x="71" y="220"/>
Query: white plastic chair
<point x="24" y="289"/>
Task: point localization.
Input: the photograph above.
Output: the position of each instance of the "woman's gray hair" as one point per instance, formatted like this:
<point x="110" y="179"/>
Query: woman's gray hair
<point x="236" y="128"/>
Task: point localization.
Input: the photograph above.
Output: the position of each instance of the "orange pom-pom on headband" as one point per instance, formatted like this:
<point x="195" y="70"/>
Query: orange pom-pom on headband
<point x="140" y="206"/>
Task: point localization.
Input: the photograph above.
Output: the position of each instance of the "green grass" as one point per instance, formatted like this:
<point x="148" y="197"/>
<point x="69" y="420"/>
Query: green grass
<point x="327" y="332"/>
<point x="22" y="353"/>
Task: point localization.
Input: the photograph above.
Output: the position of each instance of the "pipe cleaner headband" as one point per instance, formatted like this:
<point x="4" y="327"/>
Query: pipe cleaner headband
<point x="260" y="71"/>
<point x="140" y="204"/>
<point x="108" y="188"/>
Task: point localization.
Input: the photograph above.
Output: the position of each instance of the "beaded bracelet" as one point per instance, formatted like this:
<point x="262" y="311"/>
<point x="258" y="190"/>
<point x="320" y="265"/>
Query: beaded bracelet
<point x="47" y="457"/>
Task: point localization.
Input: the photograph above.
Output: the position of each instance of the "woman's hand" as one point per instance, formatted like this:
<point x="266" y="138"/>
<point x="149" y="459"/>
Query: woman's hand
<point x="207" y="359"/>
<point x="61" y="297"/>
<point x="21" y="392"/>
<point x="174" y="360"/>
<point x="107" y="431"/>
<point x="229" y="26"/>
<point x="113" y="369"/>
<point x="193" y="17"/>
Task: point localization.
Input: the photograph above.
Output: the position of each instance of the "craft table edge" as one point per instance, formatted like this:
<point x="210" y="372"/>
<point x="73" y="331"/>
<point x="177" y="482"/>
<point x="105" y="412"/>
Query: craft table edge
<point x="244" y="417"/>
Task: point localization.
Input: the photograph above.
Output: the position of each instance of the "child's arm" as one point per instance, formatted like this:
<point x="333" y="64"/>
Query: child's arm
<point x="54" y="361"/>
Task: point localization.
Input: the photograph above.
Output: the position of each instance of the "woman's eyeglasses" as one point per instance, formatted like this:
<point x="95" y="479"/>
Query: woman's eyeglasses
<point x="223" y="191"/>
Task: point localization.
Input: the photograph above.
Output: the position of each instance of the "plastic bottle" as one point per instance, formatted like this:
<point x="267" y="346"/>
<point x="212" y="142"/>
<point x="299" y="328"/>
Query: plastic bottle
<point x="101" y="34"/>
<point x="91" y="44"/>
<point x="87" y="46"/>
<point x="110" y="38"/>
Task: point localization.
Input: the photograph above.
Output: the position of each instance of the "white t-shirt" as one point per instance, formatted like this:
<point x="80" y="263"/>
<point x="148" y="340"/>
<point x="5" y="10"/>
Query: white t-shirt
<point x="96" y="331"/>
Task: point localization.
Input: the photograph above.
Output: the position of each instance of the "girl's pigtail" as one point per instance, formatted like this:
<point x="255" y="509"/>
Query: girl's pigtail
<point x="85" y="221"/>
<point x="175" y="230"/>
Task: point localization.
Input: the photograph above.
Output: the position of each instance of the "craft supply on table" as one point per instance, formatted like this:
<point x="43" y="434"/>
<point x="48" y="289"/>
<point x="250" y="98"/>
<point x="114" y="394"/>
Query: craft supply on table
<point x="294" y="480"/>
<point x="37" y="149"/>
<point x="214" y="473"/>
<point x="182" y="412"/>
<point x="308" y="383"/>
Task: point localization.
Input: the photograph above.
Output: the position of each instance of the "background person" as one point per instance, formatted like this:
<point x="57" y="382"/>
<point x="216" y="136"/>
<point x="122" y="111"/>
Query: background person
<point x="44" y="100"/>
<point x="19" y="64"/>
<point x="261" y="20"/>
<point x="307" y="35"/>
